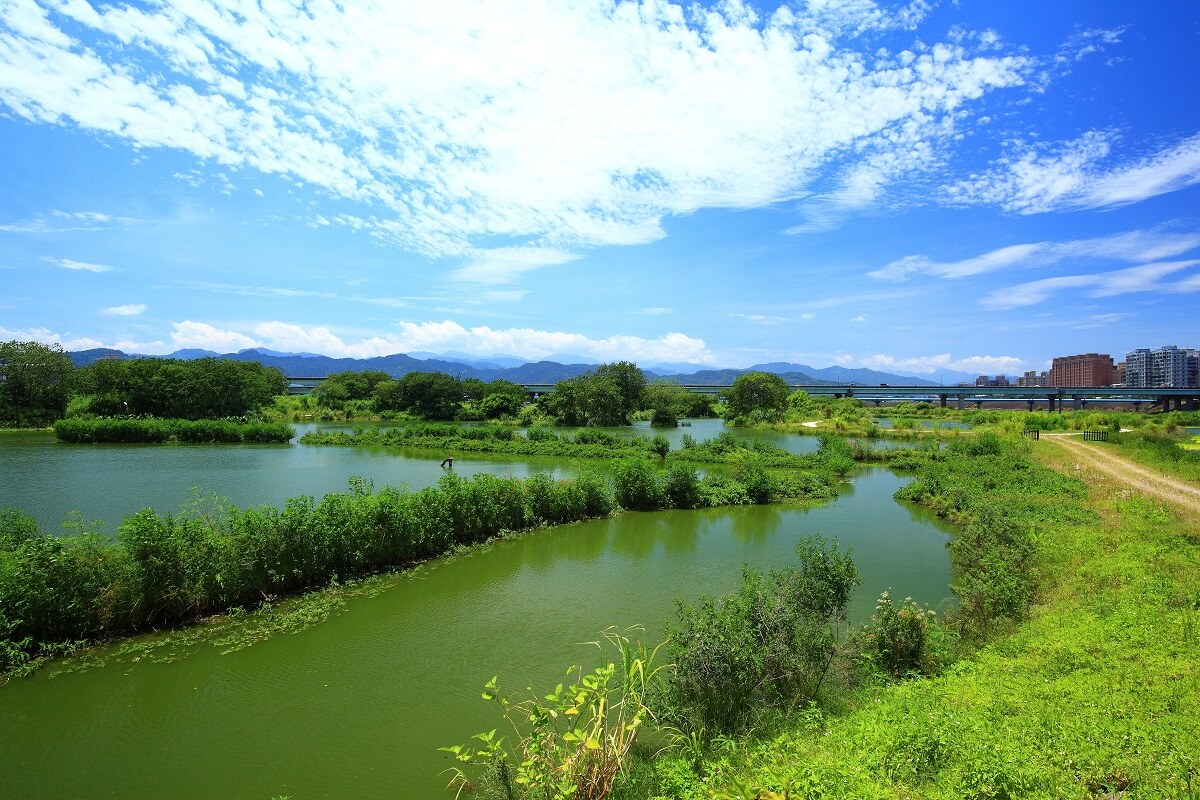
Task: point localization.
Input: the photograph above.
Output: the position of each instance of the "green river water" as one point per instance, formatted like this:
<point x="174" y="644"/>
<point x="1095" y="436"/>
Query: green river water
<point x="357" y="706"/>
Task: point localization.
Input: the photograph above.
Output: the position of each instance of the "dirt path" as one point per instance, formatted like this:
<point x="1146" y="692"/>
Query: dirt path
<point x="1178" y="492"/>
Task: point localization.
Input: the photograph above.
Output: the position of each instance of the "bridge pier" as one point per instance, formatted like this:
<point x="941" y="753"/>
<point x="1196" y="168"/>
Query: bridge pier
<point x="959" y="402"/>
<point x="941" y="400"/>
<point x="1030" y="402"/>
<point x="1050" y="402"/>
<point x="1076" y="402"/>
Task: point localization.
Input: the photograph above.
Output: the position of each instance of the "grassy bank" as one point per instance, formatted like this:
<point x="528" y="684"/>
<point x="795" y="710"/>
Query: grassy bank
<point x="1093" y="692"/>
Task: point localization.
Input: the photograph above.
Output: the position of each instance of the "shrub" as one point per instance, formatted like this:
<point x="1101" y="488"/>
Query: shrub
<point x="636" y="485"/>
<point x="769" y="644"/>
<point x="681" y="486"/>
<point x="895" y="640"/>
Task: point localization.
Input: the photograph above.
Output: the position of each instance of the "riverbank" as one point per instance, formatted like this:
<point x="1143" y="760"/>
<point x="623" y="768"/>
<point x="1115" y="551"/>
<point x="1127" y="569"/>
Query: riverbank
<point x="1095" y="694"/>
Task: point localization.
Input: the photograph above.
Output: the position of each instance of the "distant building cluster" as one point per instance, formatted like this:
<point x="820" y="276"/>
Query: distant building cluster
<point x="1166" y="367"/>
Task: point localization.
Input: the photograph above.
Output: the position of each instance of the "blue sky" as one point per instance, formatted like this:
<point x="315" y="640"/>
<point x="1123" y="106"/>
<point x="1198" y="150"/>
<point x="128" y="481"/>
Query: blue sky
<point x="922" y="187"/>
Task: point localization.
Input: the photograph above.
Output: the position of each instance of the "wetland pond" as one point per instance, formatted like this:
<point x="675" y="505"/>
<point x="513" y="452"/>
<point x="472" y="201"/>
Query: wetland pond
<point x="357" y="705"/>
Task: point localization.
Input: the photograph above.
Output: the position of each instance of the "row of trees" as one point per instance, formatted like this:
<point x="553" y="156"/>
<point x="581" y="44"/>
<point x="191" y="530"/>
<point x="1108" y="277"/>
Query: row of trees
<point x="39" y="384"/>
<point x="610" y="395"/>
<point x="429" y="395"/>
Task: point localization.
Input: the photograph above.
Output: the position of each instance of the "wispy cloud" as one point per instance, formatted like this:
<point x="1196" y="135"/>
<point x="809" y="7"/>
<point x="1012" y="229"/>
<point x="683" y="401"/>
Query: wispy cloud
<point x="130" y="310"/>
<point x="82" y="266"/>
<point x="1131" y="247"/>
<point x="532" y="129"/>
<point x="68" y="222"/>
<point x="1036" y="179"/>
<point x="507" y="264"/>
<point x="1142" y="278"/>
<point x="761" y="319"/>
<point x="253" y="291"/>
<point x="1087" y="42"/>
<point x="655" y="311"/>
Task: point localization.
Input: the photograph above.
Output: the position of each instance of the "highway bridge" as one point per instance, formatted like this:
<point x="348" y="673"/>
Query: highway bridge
<point x="1049" y="397"/>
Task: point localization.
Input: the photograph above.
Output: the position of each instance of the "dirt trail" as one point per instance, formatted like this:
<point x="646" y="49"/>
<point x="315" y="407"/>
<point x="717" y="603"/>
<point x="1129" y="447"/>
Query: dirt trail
<point x="1178" y="492"/>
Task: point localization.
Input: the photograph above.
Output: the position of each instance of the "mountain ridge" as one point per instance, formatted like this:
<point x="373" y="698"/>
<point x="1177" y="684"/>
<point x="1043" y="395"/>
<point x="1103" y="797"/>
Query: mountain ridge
<point x="311" y="365"/>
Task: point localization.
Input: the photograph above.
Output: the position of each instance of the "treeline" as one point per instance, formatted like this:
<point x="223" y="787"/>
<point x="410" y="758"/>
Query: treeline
<point x="39" y="384"/>
<point x="610" y="395"/>
<point x="202" y="388"/>
<point x="164" y="570"/>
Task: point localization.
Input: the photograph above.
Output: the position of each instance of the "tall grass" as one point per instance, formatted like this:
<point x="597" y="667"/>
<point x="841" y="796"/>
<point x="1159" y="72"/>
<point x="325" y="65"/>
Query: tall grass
<point x="166" y="570"/>
<point x="87" y="430"/>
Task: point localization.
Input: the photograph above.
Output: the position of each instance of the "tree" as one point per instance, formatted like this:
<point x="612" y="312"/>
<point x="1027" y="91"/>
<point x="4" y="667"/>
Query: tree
<point x="35" y="382"/>
<point x="431" y="395"/>
<point x="757" y="391"/>
<point x="501" y="398"/>
<point x="669" y="400"/>
<point x="605" y="397"/>
<point x="630" y="383"/>
<point x="340" y="387"/>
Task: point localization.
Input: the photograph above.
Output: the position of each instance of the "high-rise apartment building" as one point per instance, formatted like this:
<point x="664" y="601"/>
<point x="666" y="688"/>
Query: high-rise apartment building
<point x="1088" y="369"/>
<point x="1168" y="366"/>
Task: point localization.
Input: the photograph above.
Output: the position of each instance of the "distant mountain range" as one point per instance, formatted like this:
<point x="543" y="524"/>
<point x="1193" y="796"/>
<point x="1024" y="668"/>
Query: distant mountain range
<point x="462" y="365"/>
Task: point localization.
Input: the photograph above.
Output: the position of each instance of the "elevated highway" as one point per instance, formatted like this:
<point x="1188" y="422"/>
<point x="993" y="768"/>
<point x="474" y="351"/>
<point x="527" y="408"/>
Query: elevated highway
<point x="1050" y="397"/>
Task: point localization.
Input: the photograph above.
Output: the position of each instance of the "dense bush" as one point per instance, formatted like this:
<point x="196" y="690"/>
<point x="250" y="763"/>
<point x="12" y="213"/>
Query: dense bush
<point x="203" y="388"/>
<point x="637" y="485"/>
<point x="770" y="644"/>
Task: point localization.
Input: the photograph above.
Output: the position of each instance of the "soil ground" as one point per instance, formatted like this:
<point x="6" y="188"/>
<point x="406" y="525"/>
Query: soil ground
<point x="1181" y="493"/>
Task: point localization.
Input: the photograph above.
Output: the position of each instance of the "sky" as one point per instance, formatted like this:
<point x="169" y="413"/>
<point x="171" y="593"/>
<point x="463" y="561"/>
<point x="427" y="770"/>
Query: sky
<point x="912" y="187"/>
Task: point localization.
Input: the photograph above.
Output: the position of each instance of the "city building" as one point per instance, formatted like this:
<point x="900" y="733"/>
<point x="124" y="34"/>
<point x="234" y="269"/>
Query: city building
<point x="999" y="380"/>
<point x="1168" y="366"/>
<point x="1088" y="369"/>
<point x="1034" y="378"/>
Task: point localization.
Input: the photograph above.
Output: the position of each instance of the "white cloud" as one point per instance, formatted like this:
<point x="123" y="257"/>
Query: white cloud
<point x="506" y="264"/>
<point x="1132" y="247"/>
<point x="859" y="318"/>
<point x="68" y="341"/>
<point x="84" y="266"/>
<point x="656" y="311"/>
<point x="464" y="127"/>
<point x="440" y="336"/>
<point x="189" y="334"/>
<point x="130" y="310"/>
<point x="927" y="365"/>
<point x="1068" y="175"/>
<point x="1142" y="278"/>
